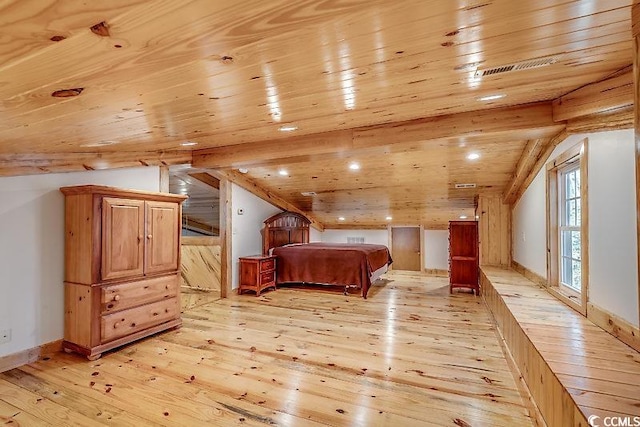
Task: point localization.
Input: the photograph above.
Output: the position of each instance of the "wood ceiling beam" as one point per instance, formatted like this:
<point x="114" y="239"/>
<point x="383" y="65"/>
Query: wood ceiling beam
<point x="612" y="93"/>
<point x="616" y="120"/>
<point x="529" y="156"/>
<point x="32" y="164"/>
<point x="266" y="195"/>
<point x="207" y="179"/>
<point x="525" y="121"/>
<point x="546" y="148"/>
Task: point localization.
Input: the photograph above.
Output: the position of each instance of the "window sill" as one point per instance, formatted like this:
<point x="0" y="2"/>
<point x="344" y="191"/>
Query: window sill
<point x="570" y="298"/>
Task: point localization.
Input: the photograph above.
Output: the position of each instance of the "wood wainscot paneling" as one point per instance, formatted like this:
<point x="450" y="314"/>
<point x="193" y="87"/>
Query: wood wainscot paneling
<point x="201" y="267"/>
<point x="495" y="231"/>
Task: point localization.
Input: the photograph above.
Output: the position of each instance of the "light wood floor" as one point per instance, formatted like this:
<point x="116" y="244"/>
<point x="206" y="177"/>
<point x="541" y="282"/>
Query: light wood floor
<point x="410" y="355"/>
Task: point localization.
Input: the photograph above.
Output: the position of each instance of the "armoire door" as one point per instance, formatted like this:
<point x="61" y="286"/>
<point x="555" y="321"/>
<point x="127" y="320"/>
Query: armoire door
<point x="163" y="234"/>
<point x="122" y="238"/>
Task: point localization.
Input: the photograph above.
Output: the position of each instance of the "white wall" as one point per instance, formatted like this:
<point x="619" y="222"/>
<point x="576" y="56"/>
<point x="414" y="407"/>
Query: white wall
<point x="436" y="249"/>
<point x="32" y="250"/>
<point x="529" y="228"/>
<point x="374" y="237"/>
<point x="613" y="283"/>
<point x="315" y="235"/>
<point x="613" y="272"/>
<point x="246" y="236"/>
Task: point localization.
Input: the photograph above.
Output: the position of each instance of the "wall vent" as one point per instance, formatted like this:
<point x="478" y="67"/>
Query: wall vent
<point x="309" y="193"/>
<point x="518" y="66"/>
<point x="355" y="239"/>
<point x="465" y="186"/>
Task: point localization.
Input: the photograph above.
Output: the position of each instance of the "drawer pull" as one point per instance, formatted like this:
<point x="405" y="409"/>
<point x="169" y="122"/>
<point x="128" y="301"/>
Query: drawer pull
<point x="115" y="325"/>
<point x="116" y="298"/>
<point x="149" y="236"/>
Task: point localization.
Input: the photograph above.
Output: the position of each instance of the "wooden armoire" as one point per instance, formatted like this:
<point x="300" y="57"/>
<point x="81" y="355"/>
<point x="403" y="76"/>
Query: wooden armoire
<point x="463" y="256"/>
<point x="284" y="228"/>
<point x="122" y="263"/>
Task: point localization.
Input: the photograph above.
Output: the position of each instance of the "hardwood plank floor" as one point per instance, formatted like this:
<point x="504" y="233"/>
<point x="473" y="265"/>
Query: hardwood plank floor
<point x="409" y="355"/>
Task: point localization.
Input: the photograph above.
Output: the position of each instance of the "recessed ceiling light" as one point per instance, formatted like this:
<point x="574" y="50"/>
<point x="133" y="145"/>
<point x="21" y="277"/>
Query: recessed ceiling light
<point x="189" y="144"/>
<point x="341" y="218"/>
<point x="463" y="217"/>
<point x="388" y="218"/>
<point x="491" y="97"/>
<point x="288" y="128"/>
<point x="354" y="166"/>
<point x="243" y="170"/>
<point x="473" y="156"/>
<point x="283" y="172"/>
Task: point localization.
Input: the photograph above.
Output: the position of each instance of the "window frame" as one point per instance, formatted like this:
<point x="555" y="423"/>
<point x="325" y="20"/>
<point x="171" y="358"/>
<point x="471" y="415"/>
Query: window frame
<point x="573" y="158"/>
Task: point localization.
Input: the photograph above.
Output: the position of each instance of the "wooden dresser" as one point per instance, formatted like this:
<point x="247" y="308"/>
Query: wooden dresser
<point x="463" y="255"/>
<point x="122" y="260"/>
<point x="257" y="273"/>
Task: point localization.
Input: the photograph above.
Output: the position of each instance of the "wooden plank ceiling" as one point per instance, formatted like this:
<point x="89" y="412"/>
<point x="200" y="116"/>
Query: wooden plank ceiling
<point x="391" y="85"/>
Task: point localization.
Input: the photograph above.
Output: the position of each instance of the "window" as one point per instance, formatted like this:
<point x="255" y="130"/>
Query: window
<point x="569" y="224"/>
<point x="567" y="261"/>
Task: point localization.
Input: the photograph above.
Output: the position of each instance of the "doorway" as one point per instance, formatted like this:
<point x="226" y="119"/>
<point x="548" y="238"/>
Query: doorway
<point x="406" y="248"/>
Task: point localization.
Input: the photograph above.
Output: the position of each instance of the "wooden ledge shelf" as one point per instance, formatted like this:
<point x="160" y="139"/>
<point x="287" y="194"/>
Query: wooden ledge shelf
<point x="573" y="368"/>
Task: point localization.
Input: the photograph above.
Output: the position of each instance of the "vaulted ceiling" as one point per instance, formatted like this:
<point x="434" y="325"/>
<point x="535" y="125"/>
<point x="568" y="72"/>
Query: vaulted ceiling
<point x="394" y="86"/>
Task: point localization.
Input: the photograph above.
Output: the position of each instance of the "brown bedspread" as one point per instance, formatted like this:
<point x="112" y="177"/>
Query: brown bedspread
<point x="330" y="263"/>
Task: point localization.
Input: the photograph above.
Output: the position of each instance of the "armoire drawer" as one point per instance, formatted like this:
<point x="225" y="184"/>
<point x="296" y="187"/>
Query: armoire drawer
<point x="132" y="294"/>
<point x="126" y="322"/>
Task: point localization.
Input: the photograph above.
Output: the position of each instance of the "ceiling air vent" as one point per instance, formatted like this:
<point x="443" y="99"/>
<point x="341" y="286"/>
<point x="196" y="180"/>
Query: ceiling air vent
<point x="465" y="186"/>
<point x="309" y="193"/>
<point x="517" y="66"/>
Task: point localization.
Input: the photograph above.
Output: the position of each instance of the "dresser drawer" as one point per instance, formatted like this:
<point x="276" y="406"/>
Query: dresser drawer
<point x="268" y="265"/>
<point x="126" y="322"/>
<point x="268" y="277"/>
<point x="126" y="295"/>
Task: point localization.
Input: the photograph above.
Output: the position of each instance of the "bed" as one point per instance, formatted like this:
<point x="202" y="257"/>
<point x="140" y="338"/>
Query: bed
<point x="354" y="266"/>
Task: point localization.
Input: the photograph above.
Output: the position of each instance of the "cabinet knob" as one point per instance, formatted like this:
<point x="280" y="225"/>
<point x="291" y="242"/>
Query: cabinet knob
<point x="116" y="298"/>
<point x="149" y="236"/>
<point x="115" y="325"/>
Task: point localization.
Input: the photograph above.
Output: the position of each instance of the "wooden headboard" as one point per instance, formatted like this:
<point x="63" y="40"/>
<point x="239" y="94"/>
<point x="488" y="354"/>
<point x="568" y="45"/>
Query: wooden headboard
<point x="284" y="228"/>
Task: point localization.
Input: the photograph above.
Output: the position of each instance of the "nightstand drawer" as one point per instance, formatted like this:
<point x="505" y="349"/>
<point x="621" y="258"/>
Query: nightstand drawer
<point x="268" y="277"/>
<point x="132" y="294"/>
<point x="268" y="264"/>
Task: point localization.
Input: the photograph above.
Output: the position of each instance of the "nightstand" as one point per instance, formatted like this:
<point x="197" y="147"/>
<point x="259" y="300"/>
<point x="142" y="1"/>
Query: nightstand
<point x="257" y="272"/>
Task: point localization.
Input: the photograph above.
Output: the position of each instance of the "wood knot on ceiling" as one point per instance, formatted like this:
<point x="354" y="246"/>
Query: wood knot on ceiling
<point x="101" y="29"/>
<point x="57" y="38"/>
